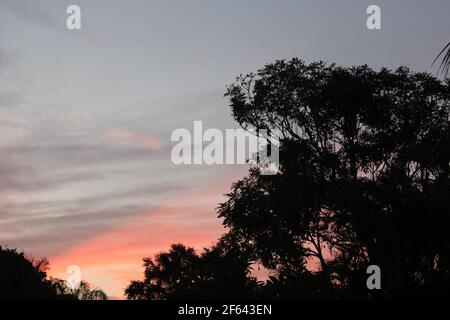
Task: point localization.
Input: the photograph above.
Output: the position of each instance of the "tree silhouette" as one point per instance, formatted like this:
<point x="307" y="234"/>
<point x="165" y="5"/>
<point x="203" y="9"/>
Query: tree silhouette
<point x="181" y="273"/>
<point x="364" y="178"/>
<point x="81" y="292"/>
<point x="22" y="278"/>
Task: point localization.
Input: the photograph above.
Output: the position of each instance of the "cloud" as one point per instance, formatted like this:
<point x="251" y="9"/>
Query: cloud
<point x="126" y="135"/>
<point x="60" y="187"/>
<point x="113" y="258"/>
<point x="34" y="14"/>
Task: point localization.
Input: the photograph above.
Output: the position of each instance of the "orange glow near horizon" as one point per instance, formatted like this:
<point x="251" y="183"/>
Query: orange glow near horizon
<point x="112" y="259"/>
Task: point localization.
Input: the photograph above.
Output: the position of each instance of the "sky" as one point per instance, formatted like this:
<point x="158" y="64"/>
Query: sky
<point x="86" y="115"/>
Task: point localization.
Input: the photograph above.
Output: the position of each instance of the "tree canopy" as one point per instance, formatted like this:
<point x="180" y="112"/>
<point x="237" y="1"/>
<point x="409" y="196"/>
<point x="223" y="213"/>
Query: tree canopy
<point x="181" y="273"/>
<point x="23" y="278"/>
<point x="363" y="180"/>
<point x="364" y="175"/>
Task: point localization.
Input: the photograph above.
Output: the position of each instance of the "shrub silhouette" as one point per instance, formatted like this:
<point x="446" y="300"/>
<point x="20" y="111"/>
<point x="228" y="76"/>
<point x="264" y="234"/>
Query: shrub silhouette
<point x="181" y="273"/>
<point x="22" y="278"/>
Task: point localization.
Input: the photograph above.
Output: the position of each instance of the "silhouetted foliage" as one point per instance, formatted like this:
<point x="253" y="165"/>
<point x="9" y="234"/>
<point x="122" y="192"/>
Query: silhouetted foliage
<point x="81" y="292"/>
<point x="445" y="62"/>
<point x="364" y="179"/>
<point x="181" y="273"/>
<point x="22" y="278"/>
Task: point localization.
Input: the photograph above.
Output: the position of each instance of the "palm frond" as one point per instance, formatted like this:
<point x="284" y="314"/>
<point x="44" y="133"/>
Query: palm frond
<point x="445" y="63"/>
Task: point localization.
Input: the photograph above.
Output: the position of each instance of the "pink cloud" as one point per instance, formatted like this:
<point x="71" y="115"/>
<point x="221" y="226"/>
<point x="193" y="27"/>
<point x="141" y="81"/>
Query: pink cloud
<point x="113" y="258"/>
<point x="126" y="135"/>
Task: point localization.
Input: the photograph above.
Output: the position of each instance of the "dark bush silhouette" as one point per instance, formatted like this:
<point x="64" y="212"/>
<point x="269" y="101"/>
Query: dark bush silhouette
<point x="181" y="273"/>
<point x="22" y="278"/>
<point x="82" y="292"/>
